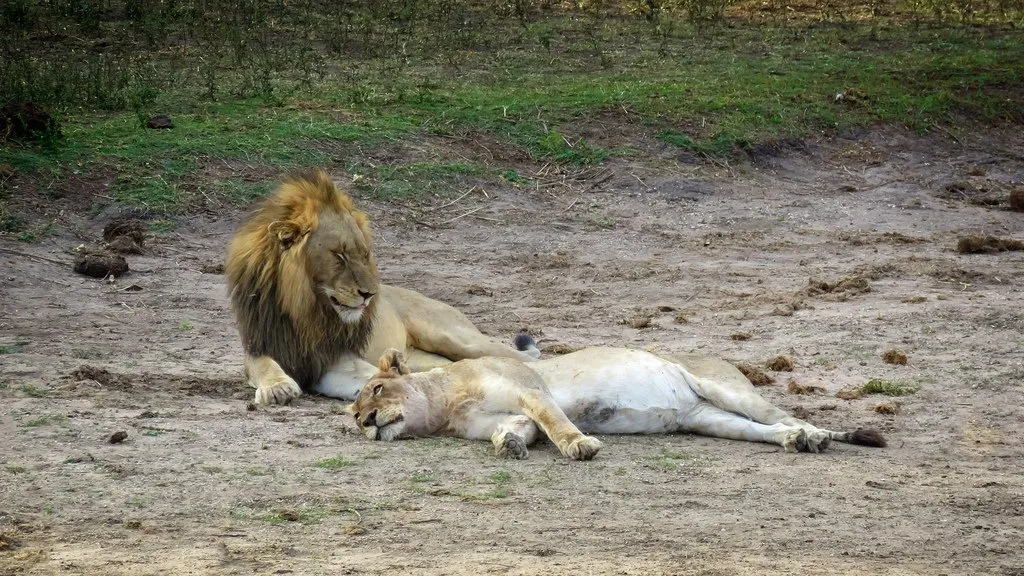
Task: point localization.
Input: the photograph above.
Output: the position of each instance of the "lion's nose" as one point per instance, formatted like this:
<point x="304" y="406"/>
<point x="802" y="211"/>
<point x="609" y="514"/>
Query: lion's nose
<point x="366" y="295"/>
<point x="371" y="420"/>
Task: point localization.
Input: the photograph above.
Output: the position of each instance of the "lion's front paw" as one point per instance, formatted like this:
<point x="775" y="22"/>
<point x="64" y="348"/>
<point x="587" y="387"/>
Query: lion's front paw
<point x="583" y="448"/>
<point x="795" y="440"/>
<point x="513" y="446"/>
<point x="280" y="390"/>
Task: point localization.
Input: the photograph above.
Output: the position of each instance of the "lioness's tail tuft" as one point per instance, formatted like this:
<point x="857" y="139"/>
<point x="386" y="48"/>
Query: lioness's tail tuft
<point x="526" y="344"/>
<point x="865" y="437"/>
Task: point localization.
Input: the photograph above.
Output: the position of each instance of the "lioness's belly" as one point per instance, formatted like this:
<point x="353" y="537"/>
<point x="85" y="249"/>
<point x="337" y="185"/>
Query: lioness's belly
<point x="618" y="391"/>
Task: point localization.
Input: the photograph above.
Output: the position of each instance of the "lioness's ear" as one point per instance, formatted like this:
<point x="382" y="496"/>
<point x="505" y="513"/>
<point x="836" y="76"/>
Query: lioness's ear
<point x="286" y="232"/>
<point x="351" y="409"/>
<point x="392" y="361"/>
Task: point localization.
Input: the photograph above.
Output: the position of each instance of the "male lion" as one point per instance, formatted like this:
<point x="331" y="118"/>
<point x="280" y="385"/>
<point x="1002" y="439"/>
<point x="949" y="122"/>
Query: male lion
<point x="310" y="306"/>
<point x="595" y="390"/>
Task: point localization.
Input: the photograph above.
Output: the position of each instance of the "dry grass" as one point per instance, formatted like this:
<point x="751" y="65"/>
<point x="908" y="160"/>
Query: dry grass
<point x="987" y="245"/>
<point x="887" y="408"/>
<point x="756" y="376"/>
<point x="894" y="356"/>
<point x="803" y="389"/>
<point x="781" y="364"/>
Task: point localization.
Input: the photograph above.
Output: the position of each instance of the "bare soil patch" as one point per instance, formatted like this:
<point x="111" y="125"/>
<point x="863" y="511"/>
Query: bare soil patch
<point x="203" y="483"/>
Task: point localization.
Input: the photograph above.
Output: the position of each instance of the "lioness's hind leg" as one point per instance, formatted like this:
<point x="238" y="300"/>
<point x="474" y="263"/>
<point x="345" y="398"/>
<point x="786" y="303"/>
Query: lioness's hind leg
<point x="512" y="436"/>
<point x="712" y="421"/>
<point x="272" y="385"/>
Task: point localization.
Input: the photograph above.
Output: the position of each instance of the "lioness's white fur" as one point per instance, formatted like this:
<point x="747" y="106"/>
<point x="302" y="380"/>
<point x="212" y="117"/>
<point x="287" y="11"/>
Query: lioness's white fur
<point x="592" y="391"/>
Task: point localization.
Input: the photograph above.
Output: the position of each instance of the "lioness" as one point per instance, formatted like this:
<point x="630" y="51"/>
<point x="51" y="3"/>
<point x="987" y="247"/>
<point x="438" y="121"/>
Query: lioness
<point x="310" y="306"/>
<point x="595" y="390"/>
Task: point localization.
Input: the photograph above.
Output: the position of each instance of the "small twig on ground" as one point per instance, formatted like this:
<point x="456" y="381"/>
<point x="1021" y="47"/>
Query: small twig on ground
<point x="33" y="256"/>
<point x="569" y="207"/>
<point x="642" y="182"/>
<point x="468" y="192"/>
<point x="463" y="215"/>
<point x="601" y="180"/>
<point x="947" y="133"/>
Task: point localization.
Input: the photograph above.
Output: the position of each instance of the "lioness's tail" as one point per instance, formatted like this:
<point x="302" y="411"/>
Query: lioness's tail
<point x="861" y="436"/>
<point x="527" y="345"/>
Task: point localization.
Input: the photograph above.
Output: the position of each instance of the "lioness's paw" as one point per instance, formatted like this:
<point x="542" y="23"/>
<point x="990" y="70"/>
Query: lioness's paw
<point x="818" y="441"/>
<point x="583" y="448"/>
<point x="513" y="446"/>
<point x="795" y="440"/>
<point x="278" y="391"/>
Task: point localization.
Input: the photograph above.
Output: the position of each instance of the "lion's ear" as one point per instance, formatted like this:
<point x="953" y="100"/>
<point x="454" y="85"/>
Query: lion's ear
<point x="392" y="361"/>
<point x="351" y="409"/>
<point x="286" y="232"/>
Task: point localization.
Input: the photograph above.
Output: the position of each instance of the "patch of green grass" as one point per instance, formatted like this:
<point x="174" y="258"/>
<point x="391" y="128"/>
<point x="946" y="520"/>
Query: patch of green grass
<point x="667" y="460"/>
<point x="259" y="471"/>
<point x="515" y="178"/>
<point x="11" y="223"/>
<point x="162" y="226"/>
<point x="240" y="192"/>
<point x="890" y="387"/>
<point x="13" y="348"/>
<point x="307" y="516"/>
<point x="35" y="392"/>
<point x="153" y="432"/>
<point x="533" y="88"/>
<point x="555" y="146"/>
<point x="48" y="509"/>
<point x="420" y="478"/>
<point x="419" y="179"/>
<point x="45" y="420"/>
<point x="184" y="325"/>
<point x="335" y="463"/>
<point x="138" y="503"/>
<point x="211" y="469"/>
<point x="16" y="469"/>
<point x="501" y="477"/>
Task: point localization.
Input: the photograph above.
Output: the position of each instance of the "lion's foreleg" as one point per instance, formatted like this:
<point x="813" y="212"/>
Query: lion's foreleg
<point x="272" y="385"/>
<point x="543" y="410"/>
<point x="709" y="420"/>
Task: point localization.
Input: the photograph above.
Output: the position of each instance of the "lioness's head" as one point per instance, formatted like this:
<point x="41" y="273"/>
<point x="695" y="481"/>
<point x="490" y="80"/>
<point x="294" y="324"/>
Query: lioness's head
<point x="325" y="241"/>
<point x="390" y="406"/>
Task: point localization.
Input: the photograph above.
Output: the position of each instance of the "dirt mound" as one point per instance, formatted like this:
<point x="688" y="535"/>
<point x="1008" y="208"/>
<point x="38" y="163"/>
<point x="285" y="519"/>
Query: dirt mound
<point x="1017" y="199"/>
<point x="100" y="263"/>
<point x="781" y="364"/>
<point x="840" y="290"/>
<point x="973" y="194"/>
<point x="987" y="245"/>
<point x="756" y="376"/>
<point x="125" y="235"/>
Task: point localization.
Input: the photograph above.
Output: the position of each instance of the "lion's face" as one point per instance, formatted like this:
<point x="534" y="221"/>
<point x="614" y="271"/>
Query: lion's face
<point x="387" y="406"/>
<point x="339" y="260"/>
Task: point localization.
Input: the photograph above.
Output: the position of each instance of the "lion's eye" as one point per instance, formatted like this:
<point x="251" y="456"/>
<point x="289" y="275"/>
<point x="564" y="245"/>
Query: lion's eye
<point x="341" y="257"/>
<point x="377" y="389"/>
<point x="356" y="416"/>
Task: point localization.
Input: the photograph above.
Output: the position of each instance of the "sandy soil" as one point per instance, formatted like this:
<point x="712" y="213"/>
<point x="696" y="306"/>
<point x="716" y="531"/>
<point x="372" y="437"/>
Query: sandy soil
<point x="693" y="252"/>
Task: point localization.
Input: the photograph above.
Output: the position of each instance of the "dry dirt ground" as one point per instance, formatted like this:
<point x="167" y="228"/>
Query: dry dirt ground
<point x="657" y="251"/>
